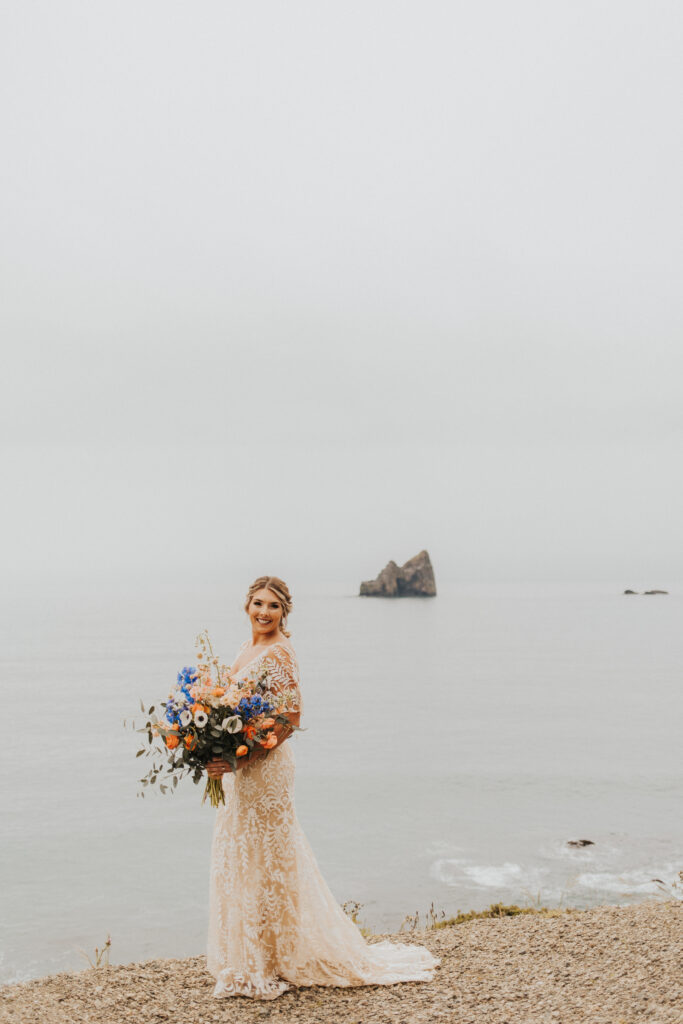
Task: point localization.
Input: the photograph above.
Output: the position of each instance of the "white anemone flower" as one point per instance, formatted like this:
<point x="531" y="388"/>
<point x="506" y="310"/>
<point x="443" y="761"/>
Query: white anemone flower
<point x="185" y="718"/>
<point x="200" y="719"/>
<point x="232" y="724"/>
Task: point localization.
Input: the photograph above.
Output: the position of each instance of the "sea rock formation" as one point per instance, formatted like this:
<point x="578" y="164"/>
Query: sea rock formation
<point x="647" y="591"/>
<point x="413" y="579"/>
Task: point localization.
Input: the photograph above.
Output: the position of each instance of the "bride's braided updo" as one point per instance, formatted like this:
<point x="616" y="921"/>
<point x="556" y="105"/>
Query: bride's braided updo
<point x="279" y="588"/>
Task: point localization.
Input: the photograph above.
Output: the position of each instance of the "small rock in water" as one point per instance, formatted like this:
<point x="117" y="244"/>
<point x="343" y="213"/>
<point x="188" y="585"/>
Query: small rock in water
<point x="655" y="591"/>
<point x="630" y="591"/>
<point x="580" y="842"/>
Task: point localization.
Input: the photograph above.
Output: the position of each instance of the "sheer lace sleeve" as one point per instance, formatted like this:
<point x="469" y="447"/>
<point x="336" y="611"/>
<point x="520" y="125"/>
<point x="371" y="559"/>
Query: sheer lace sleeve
<point x="239" y="651"/>
<point x="283" y="675"/>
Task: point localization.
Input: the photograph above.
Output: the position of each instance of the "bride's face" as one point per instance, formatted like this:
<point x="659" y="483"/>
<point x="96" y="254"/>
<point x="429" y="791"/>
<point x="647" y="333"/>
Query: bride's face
<point x="265" y="612"/>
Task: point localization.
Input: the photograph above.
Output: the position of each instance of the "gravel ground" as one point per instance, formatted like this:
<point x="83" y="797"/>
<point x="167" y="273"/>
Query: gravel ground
<point x="608" y="965"/>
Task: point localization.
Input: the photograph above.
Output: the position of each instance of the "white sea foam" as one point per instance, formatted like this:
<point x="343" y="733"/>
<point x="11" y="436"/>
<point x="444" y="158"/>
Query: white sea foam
<point x="495" y="876"/>
<point x="627" y="882"/>
<point x="448" y="870"/>
<point x="520" y="880"/>
<point x="457" y="872"/>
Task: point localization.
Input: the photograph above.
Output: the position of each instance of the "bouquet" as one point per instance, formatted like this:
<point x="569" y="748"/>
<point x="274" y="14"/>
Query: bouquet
<point x="209" y="715"/>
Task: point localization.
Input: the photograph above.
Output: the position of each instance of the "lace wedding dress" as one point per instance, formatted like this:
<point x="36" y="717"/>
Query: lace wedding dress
<point x="273" y="922"/>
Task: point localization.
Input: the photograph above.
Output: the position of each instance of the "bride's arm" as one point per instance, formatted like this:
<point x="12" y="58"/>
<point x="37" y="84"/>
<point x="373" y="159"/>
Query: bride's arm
<point x="217" y="767"/>
<point x="282" y="732"/>
<point x="284" y="677"/>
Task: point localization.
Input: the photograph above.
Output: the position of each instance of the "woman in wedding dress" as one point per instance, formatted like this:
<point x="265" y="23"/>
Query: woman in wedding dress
<point x="273" y="922"/>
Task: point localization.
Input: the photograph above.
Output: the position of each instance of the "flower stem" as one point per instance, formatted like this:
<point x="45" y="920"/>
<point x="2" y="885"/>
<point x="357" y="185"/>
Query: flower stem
<point x="214" y="791"/>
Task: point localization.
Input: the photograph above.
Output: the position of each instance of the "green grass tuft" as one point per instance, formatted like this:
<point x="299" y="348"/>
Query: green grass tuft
<point x="499" y="910"/>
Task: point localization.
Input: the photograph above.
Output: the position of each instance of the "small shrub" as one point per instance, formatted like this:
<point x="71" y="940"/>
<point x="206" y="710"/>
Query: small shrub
<point x="101" y="955"/>
<point x="432" y="919"/>
<point x="352" y="909"/>
<point x="673" y="889"/>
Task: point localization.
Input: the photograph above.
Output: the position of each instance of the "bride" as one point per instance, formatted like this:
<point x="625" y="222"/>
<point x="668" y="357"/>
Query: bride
<point x="273" y="922"/>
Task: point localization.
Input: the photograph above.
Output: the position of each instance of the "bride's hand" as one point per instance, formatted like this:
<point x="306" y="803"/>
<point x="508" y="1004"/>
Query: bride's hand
<point x="216" y="768"/>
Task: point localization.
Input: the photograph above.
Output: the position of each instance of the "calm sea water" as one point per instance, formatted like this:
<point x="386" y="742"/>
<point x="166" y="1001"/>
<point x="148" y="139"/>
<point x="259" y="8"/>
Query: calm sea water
<point x="452" y="748"/>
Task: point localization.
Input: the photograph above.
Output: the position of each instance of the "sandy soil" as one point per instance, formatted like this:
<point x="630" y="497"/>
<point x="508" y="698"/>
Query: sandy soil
<point x="608" y="965"/>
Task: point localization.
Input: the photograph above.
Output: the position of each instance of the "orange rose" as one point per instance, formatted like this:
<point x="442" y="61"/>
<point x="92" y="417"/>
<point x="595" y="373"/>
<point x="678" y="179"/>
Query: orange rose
<point x="190" y="742"/>
<point x="250" y="731"/>
<point x="270" y="741"/>
<point x="241" y="751"/>
<point x="172" y="742"/>
<point x="218" y="691"/>
<point x="268" y="723"/>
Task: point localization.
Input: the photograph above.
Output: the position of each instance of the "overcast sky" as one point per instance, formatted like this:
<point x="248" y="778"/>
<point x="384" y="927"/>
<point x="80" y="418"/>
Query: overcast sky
<point x="299" y="287"/>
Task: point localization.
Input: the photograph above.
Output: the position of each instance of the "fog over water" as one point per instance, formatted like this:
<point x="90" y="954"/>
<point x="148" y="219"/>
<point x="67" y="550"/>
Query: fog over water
<point x="301" y="288"/>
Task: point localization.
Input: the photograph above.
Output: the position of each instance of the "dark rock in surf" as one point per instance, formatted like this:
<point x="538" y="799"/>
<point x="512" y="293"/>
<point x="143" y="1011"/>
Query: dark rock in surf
<point x="580" y="842"/>
<point x="655" y="591"/>
<point x="630" y="591"/>
<point x="413" y="579"/>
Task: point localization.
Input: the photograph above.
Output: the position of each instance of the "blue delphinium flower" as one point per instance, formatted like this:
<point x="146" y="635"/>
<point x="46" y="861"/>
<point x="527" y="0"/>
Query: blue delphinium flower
<point x="175" y="704"/>
<point x="187" y="678"/>
<point x="252" y="707"/>
<point x="171" y="714"/>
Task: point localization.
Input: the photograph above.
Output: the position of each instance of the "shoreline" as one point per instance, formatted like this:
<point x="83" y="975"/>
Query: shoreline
<point x="606" y="965"/>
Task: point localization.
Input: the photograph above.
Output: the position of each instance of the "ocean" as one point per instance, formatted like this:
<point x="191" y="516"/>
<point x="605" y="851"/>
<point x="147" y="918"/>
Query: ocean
<point x="452" y="748"/>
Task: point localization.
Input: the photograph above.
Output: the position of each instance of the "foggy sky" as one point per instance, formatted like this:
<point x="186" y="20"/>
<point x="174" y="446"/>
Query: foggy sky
<point x="302" y="287"/>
